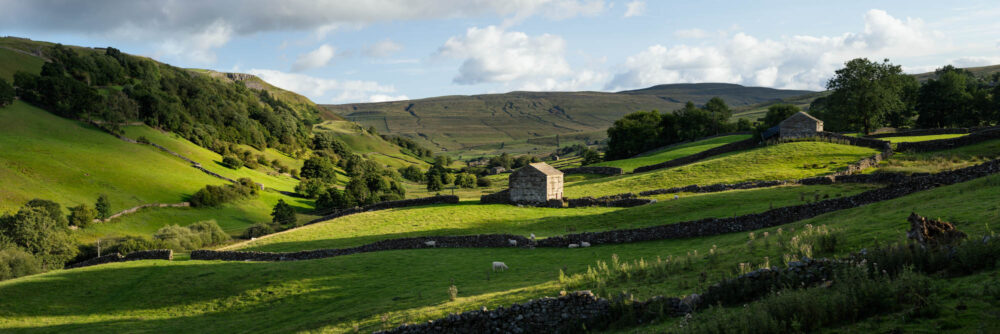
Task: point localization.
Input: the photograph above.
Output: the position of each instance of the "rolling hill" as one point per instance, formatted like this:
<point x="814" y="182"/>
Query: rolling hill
<point x="520" y="122"/>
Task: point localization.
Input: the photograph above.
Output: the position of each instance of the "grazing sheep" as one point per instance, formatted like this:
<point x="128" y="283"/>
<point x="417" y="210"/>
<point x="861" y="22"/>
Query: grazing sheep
<point x="512" y="242"/>
<point x="584" y="244"/>
<point x="652" y="201"/>
<point x="532" y="237"/>
<point x="430" y="243"/>
<point x="573" y="245"/>
<point x="497" y="265"/>
<point x="676" y="197"/>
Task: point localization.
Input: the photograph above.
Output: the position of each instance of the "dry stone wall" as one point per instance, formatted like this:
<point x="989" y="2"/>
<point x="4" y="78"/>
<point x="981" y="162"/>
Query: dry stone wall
<point x="921" y="132"/>
<point x="944" y="144"/>
<point x="140" y="207"/>
<point x="594" y="170"/>
<point x="565" y="314"/>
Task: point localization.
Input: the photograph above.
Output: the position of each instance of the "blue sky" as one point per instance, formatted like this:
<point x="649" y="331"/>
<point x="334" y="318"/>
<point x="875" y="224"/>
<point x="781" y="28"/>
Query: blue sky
<point x="361" y="51"/>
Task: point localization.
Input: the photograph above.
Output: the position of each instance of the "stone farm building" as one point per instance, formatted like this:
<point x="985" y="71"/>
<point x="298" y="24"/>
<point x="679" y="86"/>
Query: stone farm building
<point x="536" y="183"/>
<point x="800" y="124"/>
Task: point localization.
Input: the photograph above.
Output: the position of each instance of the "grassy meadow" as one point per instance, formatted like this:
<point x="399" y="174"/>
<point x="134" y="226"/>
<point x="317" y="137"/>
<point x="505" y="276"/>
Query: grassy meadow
<point x="777" y="162"/>
<point x="337" y="294"/>
<point x="672" y="152"/>
<point x="910" y="139"/>
<point x="46" y="156"/>
<point x="13" y="61"/>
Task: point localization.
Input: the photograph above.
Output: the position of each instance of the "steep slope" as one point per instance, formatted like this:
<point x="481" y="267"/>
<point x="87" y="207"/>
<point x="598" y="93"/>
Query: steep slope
<point x="461" y="123"/>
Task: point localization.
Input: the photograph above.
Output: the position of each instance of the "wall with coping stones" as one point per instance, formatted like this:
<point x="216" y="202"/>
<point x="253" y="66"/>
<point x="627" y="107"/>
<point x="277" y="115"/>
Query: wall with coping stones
<point x="688" y="229"/>
<point x="944" y="144"/>
<point x="500" y="197"/>
<point x="594" y="170"/>
<point x="155" y="254"/>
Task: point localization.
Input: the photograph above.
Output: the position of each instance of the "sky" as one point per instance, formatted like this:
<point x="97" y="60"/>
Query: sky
<point x="380" y="50"/>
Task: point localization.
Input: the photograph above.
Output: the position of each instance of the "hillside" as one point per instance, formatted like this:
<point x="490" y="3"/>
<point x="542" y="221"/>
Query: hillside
<point x="528" y="121"/>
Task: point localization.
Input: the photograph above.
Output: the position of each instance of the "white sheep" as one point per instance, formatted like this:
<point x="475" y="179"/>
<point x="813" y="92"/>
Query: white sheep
<point x="573" y="245"/>
<point x="497" y="265"/>
<point x="532" y="237"/>
<point x="512" y="242"/>
<point x="430" y="243"/>
<point x="676" y="197"/>
<point x="584" y="244"/>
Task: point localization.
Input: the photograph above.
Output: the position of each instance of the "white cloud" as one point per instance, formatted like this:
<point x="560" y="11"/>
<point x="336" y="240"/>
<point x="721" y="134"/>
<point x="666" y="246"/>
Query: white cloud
<point x="198" y="47"/>
<point x="975" y="61"/>
<point x="795" y="62"/>
<point x="383" y="48"/>
<point x="314" y="59"/>
<point x="494" y="55"/>
<point x="691" y="33"/>
<point x="635" y="8"/>
<point x="386" y="98"/>
<point x="327" y="90"/>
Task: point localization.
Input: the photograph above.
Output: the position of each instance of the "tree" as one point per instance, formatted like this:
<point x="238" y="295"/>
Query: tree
<point x="283" y="213"/>
<point x="320" y="168"/>
<point x="591" y="156"/>
<point x="232" y="162"/>
<point x="34" y="230"/>
<point x="434" y="182"/>
<point x="633" y="134"/>
<point x="81" y="215"/>
<point x="865" y="92"/>
<point x="333" y="198"/>
<point x="777" y="113"/>
<point x="311" y="188"/>
<point x="6" y="93"/>
<point x="53" y="209"/>
<point x="947" y="100"/>
<point x="103" y="207"/>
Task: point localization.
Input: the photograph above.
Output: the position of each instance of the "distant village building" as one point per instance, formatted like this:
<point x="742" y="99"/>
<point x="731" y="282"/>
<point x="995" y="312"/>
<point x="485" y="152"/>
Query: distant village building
<point x="800" y="125"/>
<point x="536" y="183"/>
<point x="497" y="170"/>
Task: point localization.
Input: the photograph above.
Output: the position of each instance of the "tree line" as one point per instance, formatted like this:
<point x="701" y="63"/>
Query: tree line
<point x="116" y="88"/>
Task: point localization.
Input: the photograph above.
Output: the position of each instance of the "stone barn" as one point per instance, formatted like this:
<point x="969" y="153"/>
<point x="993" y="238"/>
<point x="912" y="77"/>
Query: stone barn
<point x="800" y="125"/>
<point x="536" y="183"/>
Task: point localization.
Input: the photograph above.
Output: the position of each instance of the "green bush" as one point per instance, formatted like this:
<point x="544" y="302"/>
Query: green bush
<point x="257" y="230"/>
<point x="311" y="188"/>
<point x="283" y="214"/>
<point x="34" y="230"/>
<point x="232" y="162"/>
<point x="103" y="207"/>
<point x="217" y="195"/>
<point x="81" y="215"/>
<point x="6" y="93"/>
<point x="482" y="181"/>
<point x="197" y="235"/>
<point x="15" y="263"/>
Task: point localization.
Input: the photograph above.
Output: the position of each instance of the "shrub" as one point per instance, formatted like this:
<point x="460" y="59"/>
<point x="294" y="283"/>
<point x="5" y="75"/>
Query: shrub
<point x="320" y="168"/>
<point x="283" y="214"/>
<point x="197" y="235"/>
<point x="217" y="195"/>
<point x="333" y="198"/>
<point x="81" y="215"/>
<point x="232" y="162"/>
<point x="34" y="230"/>
<point x="142" y="140"/>
<point x="311" y="188"/>
<point x="482" y="181"/>
<point x="131" y="244"/>
<point x="6" y="93"/>
<point x="257" y="230"/>
<point x="53" y="209"/>
<point x="103" y="207"/>
<point x="15" y="262"/>
<point x="412" y="173"/>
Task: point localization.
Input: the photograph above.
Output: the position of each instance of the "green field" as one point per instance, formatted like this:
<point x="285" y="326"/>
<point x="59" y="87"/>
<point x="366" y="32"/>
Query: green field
<point x="777" y="162"/>
<point x="49" y="157"/>
<point x="936" y="161"/>
<point x="371" y="146"/>
<point x="908" y="139"/>
<point x="472" y="218"/>
<point x="672" y="152"/>
<point x="13" y="61"/>
<point x="410" y="286"/>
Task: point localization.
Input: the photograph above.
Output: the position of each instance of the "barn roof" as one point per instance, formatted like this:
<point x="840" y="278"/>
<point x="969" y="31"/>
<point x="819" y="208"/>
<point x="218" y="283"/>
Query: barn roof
<point x="544" y="168"/>
<point x="803" y="114"/>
